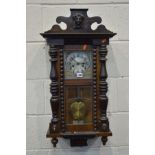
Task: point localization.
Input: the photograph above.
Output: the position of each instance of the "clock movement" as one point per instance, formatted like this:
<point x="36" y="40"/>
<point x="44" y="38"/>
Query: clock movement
<point x="78" y="79"/>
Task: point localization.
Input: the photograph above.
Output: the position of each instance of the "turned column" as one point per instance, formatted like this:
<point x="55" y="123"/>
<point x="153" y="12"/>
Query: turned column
<point x="54" y="101"/>
<point x="103" y="88"/>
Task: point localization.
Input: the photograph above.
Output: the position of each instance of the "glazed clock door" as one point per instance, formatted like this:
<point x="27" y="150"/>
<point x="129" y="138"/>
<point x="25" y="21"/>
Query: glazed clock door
<point x="78" y="88"/>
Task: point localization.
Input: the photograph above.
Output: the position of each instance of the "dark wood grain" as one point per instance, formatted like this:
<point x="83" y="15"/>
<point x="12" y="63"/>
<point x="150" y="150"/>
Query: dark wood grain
<point x="86" y="82"/>
<point x="62" y="110"/>
<point x="78" y="37"/>
<point x="54" y="90"/>
<point x="78" y="23"/>
<point x="103" y="87"/>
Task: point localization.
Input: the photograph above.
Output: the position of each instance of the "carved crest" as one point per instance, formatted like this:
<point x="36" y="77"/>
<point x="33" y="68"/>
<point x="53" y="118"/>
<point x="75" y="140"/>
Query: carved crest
<point x="79" y="22"/>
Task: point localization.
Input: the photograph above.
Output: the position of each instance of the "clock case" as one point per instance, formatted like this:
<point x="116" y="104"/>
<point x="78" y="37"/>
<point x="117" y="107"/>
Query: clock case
<point x="78" y="32"/>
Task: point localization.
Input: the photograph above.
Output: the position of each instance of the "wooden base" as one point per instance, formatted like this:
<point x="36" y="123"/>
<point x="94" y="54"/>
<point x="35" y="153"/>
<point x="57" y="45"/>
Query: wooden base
<point x="78" y="138"/>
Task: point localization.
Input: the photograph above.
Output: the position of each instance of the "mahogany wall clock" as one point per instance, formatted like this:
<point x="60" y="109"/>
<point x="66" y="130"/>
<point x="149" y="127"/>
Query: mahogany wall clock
<point x="78" y="79"/>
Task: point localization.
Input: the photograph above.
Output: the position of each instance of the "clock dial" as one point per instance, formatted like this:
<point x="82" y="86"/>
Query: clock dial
<point x="78" y="65"/>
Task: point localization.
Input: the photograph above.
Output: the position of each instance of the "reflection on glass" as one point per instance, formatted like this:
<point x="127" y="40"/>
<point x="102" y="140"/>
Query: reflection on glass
<point x="79" y="104"/>
<point x="78" y="110"/>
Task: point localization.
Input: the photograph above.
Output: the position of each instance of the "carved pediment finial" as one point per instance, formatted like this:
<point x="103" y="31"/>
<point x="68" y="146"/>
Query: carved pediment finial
<point x="79" y="22"/>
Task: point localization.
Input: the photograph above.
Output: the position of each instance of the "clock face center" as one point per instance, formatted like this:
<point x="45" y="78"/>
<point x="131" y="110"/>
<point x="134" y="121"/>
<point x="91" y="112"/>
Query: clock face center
<point x="78" y="65"/>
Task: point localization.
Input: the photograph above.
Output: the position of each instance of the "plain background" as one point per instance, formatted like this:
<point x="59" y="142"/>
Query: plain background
<point x="12" y="63"/>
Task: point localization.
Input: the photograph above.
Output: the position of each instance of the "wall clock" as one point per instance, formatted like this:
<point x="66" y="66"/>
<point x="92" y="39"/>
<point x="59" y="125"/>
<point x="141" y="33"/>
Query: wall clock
<point x="78" y="79"/>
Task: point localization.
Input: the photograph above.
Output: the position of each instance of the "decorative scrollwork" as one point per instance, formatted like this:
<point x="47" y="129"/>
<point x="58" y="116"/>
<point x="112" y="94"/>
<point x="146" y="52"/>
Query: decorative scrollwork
<point x="94" y="89"/>
<point x="62" y="90"/>
<point x="79" y="22"/>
